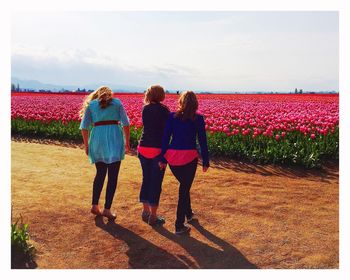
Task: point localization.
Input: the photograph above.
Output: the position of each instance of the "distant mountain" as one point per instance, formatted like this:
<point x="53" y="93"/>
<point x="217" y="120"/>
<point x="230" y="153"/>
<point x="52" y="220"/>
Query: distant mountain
<point x="36" y="85"/>
<point x="115" y="88"/>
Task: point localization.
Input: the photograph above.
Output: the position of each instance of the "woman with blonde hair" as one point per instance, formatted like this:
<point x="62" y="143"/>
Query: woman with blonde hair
<point x="183" y="127"/>
<point x="154" y="116"/>
<point x="104" y="143"/>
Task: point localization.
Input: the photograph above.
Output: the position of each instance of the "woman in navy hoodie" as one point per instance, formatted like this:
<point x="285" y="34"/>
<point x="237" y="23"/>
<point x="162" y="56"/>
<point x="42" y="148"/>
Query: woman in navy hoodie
<point x="183" y="127"/>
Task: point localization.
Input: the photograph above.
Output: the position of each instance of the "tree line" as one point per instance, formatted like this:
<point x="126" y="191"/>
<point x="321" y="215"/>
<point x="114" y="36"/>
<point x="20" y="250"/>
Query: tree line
<point x="17" y="88"/>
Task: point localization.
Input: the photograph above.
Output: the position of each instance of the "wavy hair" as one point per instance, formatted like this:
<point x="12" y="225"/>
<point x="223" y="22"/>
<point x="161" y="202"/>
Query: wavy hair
<point x="187" y="106"/>
<point x="154" y="93"/>
<point x="103" y="94"/>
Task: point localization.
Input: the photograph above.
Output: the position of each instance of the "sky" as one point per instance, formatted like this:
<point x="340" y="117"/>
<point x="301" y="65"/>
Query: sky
<point x="213" y="51"/>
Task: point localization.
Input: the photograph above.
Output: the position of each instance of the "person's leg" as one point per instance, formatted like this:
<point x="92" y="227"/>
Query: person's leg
<point x="101" y="170"/>
<point x="192" y="168"/>
<point x="189" y="211"/>
<point x="113" y="171"/>
<point x="144" y="191"/>
<point x="180" y="173"/>
<point x="155" y="189"/>
<point x="185" y="175"/>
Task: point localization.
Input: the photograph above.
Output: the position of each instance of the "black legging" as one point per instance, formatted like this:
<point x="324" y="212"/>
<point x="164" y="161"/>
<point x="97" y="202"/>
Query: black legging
<point x="101" y="170"/>
<point x="185" y="175"/>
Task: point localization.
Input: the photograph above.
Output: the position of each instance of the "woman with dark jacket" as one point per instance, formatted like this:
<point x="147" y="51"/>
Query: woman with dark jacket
<point x="182" y="129"/>
<point x="154" y="116"/>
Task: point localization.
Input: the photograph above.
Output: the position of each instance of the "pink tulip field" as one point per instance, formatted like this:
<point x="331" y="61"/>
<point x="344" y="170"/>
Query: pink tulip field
<point x="301" y="129"/>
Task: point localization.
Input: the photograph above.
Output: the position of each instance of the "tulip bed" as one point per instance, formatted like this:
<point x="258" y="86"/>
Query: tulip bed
<point x="265" y="128"/>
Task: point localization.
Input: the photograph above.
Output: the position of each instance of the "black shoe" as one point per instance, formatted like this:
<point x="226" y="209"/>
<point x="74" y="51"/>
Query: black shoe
<point x="156" y="221"/>
<point x="145" y="216"/>
<point x="183" y="230"/>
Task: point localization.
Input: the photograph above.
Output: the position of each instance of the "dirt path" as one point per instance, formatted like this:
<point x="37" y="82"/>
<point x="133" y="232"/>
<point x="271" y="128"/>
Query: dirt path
<point x="249" y="216"/>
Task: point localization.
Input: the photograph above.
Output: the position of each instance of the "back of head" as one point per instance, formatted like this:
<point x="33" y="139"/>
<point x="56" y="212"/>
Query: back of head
<point x="188" y="105"/>
<point x="103" y="94"/>
<point x="154" y="93"/>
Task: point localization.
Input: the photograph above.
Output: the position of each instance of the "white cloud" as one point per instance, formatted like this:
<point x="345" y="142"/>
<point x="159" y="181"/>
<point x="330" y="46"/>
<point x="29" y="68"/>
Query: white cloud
<point x="202" y="50"/>
<point x="82" y="67"/>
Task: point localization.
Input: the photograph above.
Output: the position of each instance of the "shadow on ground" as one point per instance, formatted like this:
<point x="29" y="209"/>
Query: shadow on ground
<point x="329" y="171"/>
<point x="206" y="256"/>
<point x="144" y="254"/>
<point x="141" y="253"/>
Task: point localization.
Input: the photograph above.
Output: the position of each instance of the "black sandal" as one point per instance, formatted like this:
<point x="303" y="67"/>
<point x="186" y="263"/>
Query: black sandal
<point x="157" y="221"/>
<point x="183" y="230"/>
<point x="110" y="216"/>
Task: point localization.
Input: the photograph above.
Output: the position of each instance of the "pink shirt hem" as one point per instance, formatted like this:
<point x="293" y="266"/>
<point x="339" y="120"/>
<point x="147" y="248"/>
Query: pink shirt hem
<point x="149" y="152"/>
<point x="180" y="157"/>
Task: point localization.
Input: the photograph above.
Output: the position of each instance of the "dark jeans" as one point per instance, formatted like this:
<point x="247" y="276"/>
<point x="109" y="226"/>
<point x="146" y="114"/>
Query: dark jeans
<point x="152" y="179"/>
<point x="185" y="175"/>
<point x="101" y="170"/>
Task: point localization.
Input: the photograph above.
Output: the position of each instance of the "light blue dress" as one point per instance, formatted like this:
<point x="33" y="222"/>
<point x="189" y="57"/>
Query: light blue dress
<point x="106" y="142"/>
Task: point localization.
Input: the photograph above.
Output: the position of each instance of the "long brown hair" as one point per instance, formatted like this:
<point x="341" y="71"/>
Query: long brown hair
<point x="188" y="105"/>
<point x="103" y="94"/>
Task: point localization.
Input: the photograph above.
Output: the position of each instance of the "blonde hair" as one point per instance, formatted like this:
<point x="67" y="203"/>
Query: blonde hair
<point x="188" y="105"/>
<point x="103" y="94"/>
<point x="154" y="93"/>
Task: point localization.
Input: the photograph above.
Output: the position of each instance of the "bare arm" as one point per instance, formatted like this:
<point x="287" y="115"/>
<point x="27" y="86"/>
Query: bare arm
<point x="85" y="134"/>
<point x="127" y="138"/>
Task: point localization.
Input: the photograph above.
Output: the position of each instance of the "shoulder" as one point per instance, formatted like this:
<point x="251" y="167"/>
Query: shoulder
<point x="146" y="106"/>
<point x="93" y="104"/>
<point x="116" y="101"/>
<point x="199" y="118"/>
<point x="164" y="107"/>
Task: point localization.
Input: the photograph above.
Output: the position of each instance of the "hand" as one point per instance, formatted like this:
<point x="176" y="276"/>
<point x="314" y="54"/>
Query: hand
<point x="205" y="168"/>
<point x="87" y="150"/>
<point x="162" y="165"/>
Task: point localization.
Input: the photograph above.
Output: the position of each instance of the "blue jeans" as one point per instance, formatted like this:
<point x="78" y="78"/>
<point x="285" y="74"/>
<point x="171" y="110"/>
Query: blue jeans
<point x="152" y="179"/>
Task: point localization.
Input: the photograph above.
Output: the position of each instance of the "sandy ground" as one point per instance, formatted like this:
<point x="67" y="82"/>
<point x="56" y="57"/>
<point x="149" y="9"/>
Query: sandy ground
<point x="250" y="216"/>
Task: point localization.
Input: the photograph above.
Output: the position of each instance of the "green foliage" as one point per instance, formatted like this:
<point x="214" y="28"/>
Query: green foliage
<point x="294" y="148"/>
<point x="135" y="135"/>
<point x="51" y="130"/>
<point x="21" y="250"/>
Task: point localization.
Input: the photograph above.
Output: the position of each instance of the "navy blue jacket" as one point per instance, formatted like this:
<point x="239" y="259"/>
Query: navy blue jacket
<point x="154" y="117"/>
<point x="183" y="135"/>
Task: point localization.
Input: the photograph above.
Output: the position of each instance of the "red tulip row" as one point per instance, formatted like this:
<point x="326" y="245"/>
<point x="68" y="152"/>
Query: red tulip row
<point x="239" y="117"/>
